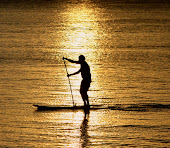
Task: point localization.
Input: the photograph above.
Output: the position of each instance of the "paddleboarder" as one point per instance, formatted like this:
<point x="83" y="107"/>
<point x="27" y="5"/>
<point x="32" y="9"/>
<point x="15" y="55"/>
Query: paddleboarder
<point x="86" y="78"/>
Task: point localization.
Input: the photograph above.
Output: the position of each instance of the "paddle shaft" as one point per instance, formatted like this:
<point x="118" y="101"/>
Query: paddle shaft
<point x="69" y="83"/>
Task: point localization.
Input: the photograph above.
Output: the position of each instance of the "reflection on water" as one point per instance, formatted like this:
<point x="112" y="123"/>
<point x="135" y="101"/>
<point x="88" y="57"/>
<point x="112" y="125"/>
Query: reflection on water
<point x="83" y="28"/>
<point x="84" y="129"/>
<point x="101" y="128"/>
<point x="127" y="48"/>
<point x="83" y="33"/>
<point x="65" y="128"/>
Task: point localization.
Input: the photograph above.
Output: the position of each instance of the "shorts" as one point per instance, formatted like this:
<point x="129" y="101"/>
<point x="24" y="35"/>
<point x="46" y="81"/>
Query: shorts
<point x="85" y="85"/>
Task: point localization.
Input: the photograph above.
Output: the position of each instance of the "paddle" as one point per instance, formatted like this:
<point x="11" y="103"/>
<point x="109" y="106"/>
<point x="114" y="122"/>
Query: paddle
<point x="69" y="82"/>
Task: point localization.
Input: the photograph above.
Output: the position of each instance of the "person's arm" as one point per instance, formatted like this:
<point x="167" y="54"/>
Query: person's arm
<point x="74" y="73"/>
<point x="72" y="61"/>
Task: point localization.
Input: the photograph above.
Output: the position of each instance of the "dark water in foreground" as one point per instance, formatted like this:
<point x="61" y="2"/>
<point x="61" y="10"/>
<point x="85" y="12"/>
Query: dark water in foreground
<point x="127" y="48"/>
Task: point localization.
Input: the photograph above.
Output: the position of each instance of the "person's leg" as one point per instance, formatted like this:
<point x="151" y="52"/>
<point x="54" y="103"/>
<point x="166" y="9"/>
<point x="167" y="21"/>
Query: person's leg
<point x="83" y="96"/>
<point x="87" y="97"/>
<point x="83" y="91"/>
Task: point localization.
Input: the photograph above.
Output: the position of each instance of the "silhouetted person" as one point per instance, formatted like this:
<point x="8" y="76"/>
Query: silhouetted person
<point x="86" y="75"/>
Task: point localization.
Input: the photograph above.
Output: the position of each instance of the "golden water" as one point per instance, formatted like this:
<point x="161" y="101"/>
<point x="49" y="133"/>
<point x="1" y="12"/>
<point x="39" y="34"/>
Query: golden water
<point x="127" y="48"/>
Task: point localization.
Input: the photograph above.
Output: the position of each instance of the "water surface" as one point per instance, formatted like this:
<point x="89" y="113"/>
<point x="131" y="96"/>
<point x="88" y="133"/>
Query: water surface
<point x="127" y="48"/>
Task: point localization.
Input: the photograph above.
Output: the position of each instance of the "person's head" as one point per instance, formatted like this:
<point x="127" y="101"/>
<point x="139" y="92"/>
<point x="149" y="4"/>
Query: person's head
<point x="81" y="58"/>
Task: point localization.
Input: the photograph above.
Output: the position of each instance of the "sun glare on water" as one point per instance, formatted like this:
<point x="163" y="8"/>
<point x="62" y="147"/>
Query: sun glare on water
<point x="82" y="28"/>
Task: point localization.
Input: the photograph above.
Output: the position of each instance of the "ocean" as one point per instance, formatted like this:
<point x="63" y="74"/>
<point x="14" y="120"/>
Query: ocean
<point x="126" y="44"/>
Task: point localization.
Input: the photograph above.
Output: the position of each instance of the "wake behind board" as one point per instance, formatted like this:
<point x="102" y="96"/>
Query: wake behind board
<point x="48" y="107"/>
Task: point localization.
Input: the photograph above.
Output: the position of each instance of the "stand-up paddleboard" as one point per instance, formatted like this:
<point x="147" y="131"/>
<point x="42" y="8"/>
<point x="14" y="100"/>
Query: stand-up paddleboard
<point x="48" y="107"/>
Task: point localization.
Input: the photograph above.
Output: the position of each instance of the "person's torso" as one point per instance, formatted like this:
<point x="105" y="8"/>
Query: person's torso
<point x="85" y="71"/>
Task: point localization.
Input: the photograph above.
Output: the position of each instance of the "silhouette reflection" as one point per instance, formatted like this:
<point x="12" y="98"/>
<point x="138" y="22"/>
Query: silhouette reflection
<point x="84" y="129"/>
